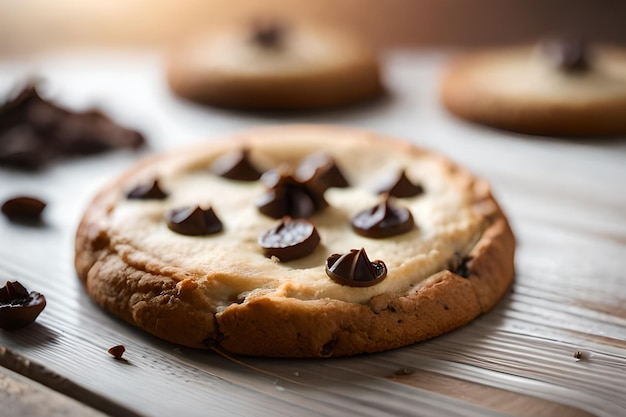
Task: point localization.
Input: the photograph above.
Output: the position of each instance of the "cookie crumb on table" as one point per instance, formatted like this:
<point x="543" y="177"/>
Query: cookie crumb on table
<point x="117" y="351"/>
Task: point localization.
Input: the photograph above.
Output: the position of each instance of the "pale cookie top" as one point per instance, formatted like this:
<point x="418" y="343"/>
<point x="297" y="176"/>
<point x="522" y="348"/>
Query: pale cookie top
<point x="524" y="73"/>
<point x="230" y="265"/>
<point x="299" y="50"/>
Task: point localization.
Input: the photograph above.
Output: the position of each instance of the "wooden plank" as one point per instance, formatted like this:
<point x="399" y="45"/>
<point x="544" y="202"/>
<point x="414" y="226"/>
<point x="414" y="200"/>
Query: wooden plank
<point x="38" y="389"/>
<point x="21" y="396"/>
<point x="508" y="402"/>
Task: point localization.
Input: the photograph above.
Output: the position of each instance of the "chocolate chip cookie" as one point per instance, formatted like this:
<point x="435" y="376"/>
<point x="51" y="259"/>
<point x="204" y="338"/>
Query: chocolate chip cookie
<point x="561" y="87"/>
<point x="274" y="65"/>
<point x="296" y="241"/>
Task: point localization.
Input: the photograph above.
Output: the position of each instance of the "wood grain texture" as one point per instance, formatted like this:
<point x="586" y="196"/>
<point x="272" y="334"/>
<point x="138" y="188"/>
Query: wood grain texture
<point x="515" y="404"/>
<point x="564" y="198"/>
<point x="21" y="396"/>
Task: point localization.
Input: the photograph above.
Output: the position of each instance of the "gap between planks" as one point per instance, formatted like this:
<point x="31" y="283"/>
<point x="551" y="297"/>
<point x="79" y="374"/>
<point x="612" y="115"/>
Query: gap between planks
<point x="36" y="372"/>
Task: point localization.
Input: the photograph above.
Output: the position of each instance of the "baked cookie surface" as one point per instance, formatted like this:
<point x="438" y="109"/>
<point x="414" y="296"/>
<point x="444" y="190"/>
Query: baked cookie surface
<point x="185" y="249"/>
<point x="271" y="65"/>
<point x="551" y="88"/>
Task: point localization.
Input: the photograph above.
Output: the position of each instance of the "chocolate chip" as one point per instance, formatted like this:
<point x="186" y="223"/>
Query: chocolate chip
<point x="399" y="185"/>
<point x="35" y="132"/>
<point x="194" y="221"/>
<point x="287" y="196"/>
<point x="236" y="166"/>
<point x="147" y="191"/>
<point x="23" y="209"/>
<point x="117" y="351"/>
<point x="566" y="54"/>
<point x="403" y="372"/>
<point x="383" y="220"/>
<point x="268" y="33"/>
<point x="18" y="307"/>
<point x="465" y="268"/>
<point x="291" y="239"/>
<point x="322" y="169"/>
<point x="355" y="269"/>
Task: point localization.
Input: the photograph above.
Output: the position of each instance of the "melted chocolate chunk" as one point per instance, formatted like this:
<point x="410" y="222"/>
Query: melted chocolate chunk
<point x="568" y="55"/>
<point x="321" y="169"/>
<point x="461" y="265"/>
<point x="147" y="191"/>
<point x="400" y="186"/>
<point x="18" y="307"/>
<point x="23" y="209"/>
<point x="383" y="220"/>
<point x="355" y="269"/>
<point x="194" y="221"/>
<point x="236" y="166"/>
<point x="268" y="33"/>
<point x="289" y="197"/>
<point x="291" y="239"/>
<point x="34" y="132"/>
<point x="465" y="268"/>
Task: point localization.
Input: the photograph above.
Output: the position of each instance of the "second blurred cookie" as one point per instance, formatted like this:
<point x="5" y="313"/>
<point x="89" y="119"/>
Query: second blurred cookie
<point x="558" y="87"/>
<point x="274" y="65"/>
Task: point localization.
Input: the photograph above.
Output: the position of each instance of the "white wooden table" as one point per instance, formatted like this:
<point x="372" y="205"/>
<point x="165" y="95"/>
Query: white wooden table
<point x="566" y="200"/>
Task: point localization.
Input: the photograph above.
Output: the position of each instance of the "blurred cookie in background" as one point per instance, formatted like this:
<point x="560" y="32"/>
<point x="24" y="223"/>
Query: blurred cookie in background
<point x="274" y="64"/>
<point x="560" y="87"/>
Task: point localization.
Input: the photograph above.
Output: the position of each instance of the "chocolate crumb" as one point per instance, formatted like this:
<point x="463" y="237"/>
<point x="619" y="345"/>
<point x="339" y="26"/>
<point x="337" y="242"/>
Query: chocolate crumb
<point x="403" y="372"/>
<point x="117" y="351"/>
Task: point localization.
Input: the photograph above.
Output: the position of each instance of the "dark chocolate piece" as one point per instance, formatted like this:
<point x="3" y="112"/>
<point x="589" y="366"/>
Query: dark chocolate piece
<point x="147" y="191"/>
<point x="355" y="269"/>
<point x="383" y="220"/>
<point x="117" y="351"/>
<point x="565" y="54"/>
<point x="18" y="307"/>
<point x="194" y="221"/>
<point x="236" y="166"/>
<point x="321" y="169"/>
<point x="269" y="34"/>
<point x="34" y="132"/>
<point x="400" y="186"/>
<point x="287" y="196"/>
<point x="23" y="209"/>
<point x="291" y="239"/>
<point x="465" y="268"/>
